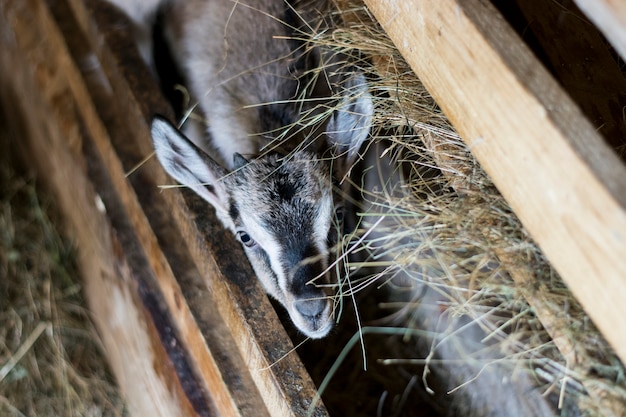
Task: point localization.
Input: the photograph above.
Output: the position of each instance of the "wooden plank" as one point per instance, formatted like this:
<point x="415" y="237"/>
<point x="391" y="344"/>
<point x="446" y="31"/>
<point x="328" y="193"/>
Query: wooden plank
<point x="186" y="321"/>
<point x="44" y="112"/>
<point x="610" y="17"/>
<point x="565" y="184"/>
<point x="154" y="261"/>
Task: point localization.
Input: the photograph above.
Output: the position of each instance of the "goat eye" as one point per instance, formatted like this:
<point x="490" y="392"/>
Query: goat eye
<point x="245" y="239"/>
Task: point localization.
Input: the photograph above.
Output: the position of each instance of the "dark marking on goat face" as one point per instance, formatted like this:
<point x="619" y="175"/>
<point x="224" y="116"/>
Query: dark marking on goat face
<point x="303" y="264"/>
<point x="285" y="188"/>
<point x="233" y="211"/>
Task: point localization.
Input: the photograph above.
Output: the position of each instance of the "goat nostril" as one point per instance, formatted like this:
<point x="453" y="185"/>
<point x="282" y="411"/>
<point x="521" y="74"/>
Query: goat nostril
<point x="311" y="308"/>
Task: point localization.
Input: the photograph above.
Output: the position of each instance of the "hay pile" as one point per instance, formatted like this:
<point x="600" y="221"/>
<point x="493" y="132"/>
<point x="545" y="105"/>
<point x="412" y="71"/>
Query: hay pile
<point x="51" y="363"/>
<point x="454" y="235"/>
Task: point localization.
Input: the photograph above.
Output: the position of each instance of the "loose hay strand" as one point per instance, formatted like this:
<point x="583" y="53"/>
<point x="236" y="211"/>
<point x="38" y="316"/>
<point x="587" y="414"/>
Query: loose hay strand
<point x="23" y="349"/>
<point x="51" y="361"/>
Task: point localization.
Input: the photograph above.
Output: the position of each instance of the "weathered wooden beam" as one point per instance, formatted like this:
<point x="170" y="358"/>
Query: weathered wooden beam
<point x="610" y="17"/>
<point x="564" y="183"/>
<point x="36" y="91"/>
<point x="182" y="338"/>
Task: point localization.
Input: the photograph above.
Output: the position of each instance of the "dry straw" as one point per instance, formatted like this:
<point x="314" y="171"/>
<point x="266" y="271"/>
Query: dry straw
<point x="51" y="363"/>
<point x="455" y="235"/>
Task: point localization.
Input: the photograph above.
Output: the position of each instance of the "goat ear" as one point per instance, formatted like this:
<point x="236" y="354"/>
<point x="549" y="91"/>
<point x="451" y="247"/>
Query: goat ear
<point x="239" y="161"/>
<point x="189" y="165"/>
<point x="349" y="125"/>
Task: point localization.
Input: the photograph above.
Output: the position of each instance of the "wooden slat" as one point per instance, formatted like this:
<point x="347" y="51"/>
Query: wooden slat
<point x="107" y="105"/>
<point x="610" y="17"/>
<point x="42" y="108"/>
<point x="565" y="184"/>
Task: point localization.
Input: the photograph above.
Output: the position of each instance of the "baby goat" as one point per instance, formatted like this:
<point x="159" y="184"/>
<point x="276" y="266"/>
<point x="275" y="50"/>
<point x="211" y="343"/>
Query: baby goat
<point x="268" y="174"/>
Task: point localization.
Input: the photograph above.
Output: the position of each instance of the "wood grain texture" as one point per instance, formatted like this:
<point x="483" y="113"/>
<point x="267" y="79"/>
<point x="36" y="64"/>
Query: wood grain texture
<point x="610" y="17"/>
<point x="565" y="184"/>
<point x="36" y="92"/>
